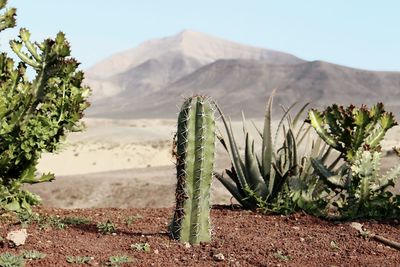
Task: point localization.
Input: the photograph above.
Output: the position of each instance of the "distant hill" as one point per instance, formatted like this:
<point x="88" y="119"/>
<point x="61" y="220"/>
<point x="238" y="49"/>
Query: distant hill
<point x="150" y="80"/>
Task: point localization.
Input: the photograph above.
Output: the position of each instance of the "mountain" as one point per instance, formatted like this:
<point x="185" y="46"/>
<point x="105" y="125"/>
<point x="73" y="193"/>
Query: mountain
<point x="151" y="79"/>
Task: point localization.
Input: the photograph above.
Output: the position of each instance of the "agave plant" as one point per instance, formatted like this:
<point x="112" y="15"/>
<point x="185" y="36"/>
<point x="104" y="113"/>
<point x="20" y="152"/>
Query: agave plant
<point x="277" y="178"/>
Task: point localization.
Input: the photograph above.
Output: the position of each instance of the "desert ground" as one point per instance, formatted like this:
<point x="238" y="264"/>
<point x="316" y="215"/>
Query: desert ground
<point x="128" y="164"/>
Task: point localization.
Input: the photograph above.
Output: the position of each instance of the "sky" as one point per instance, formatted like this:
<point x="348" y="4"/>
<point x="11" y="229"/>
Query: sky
<point x="358" y="33"/>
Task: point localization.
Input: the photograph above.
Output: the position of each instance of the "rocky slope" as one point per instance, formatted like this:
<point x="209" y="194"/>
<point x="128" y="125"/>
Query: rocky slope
<point x="151" y="79"/>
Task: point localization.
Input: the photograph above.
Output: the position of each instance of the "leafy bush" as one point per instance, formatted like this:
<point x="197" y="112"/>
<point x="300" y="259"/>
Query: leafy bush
<point x="34" y="115"/>
<point x="357" y="189"/>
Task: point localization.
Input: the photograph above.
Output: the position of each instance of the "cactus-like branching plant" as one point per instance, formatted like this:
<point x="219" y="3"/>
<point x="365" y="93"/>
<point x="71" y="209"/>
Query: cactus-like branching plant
<point x="195" y="149"/>
<point x="360" y="190"/>
<point x="34" y="115"/>
<point x="356" y="188"/>
<point x="346" y="129"/>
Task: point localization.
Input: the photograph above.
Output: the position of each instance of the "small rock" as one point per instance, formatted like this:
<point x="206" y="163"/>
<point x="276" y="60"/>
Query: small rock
<point x="296" y="228"/>
<point x="219" y="257"/>
<point x="17" y="237"/>
<point x="187" y="245"/>
<point x="302" y="239"/>
<point x="114" y="234"/>
<point x="156" y="251"/>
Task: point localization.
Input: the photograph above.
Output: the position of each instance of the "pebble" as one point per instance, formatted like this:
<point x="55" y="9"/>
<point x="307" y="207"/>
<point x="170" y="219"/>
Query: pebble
<point x="156" y="251"/>
<point x="219" y="257"/>
<point x="17" y="237"/>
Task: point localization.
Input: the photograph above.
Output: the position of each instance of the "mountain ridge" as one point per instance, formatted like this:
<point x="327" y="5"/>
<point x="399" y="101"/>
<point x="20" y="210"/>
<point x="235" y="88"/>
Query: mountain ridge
<point x="239" y="77"/>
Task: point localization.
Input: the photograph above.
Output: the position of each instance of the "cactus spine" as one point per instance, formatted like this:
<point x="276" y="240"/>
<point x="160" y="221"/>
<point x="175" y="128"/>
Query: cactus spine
<point x="195" y="160"/>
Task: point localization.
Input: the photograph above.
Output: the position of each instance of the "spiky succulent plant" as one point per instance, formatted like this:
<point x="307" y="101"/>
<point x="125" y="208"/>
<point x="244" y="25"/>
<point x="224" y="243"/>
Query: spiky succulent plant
<point x="277" y="179"/>
<point x="195" y="145"/>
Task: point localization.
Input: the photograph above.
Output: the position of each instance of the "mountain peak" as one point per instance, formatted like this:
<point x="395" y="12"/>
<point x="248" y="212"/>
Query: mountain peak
<point x="188" y="33"/>
<point x="198" y="46"/>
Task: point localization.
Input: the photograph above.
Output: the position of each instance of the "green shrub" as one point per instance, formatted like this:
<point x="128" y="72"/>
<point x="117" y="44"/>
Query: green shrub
<point x="357" y="189"/>
<point x="35" y="115"/>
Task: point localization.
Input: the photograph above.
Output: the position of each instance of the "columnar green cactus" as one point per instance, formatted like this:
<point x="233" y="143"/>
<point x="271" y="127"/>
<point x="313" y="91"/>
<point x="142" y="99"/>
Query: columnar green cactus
<point x="195" y="160"/>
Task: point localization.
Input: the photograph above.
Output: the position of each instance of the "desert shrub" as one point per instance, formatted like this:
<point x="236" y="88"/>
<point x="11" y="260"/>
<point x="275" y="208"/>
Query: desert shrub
<point x="36" y="114"/>
<point x="279" y="178"/>
<point x="356" y="189"/>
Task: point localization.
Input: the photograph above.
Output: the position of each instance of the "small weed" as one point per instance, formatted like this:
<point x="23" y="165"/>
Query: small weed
<point x="106" y="227"/>
<point x="54" y="222"/>
<point x="25" y="218"/>
<point x="132" y="219"/>
<point x="141" y="247"/>
<point x="33" y="255"/>
<point x="281" y="256"/>
<point x="7" y="217"/>
<point x="75" y="220"/>
<point x="334" y="246"/>
<point x="10" y="260"/>
<point x="78" y="259"/>
<point x="115" y="261"/>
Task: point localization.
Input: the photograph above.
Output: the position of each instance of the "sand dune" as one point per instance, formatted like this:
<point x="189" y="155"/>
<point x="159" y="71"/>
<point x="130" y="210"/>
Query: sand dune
<point x="117" y="163"/>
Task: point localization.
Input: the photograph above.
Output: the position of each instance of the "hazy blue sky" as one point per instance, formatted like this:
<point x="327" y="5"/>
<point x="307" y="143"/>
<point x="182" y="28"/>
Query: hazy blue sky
<point x="357" y="33"/>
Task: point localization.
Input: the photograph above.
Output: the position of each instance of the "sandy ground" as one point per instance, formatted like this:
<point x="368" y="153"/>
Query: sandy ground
<point x="128" y="163"/>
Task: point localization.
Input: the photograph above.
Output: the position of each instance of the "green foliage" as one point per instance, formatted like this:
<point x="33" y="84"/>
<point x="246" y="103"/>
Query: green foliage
<point x="75" y="220"/>
<point x="10" y="260"/>
<point x="281" y="256"/>
<point x="33" y="255"/>
<point x="7" y="19"/>
<point x="44" y="222"/>
<point x="356" y="189"/>
<point x="195" y="162"/>
<point x="277" y="180"/>
<point x="351" y="128"/>
<point x="116" y="261"/>
<point x="141" y="247"/>
<point x="132" y="219"/>
<point x="106" y="227"/>
<point x="78" y="259"/>
<point x="34" y="115"/>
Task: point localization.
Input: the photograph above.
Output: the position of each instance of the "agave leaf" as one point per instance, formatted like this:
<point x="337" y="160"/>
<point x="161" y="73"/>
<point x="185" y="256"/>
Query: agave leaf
<point x="304" y="135"/>
<point x="253" y="174"/>
<point x="299" y="114"/>
<point x="234" y="151"/>
<point x="267" y="146"/>
<point x="324" y="173"/>
<point x="280" y="124"/>
<point x="292" y="151"/>
<point x="258" y="130"/>
<point x="233" y="189"/>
